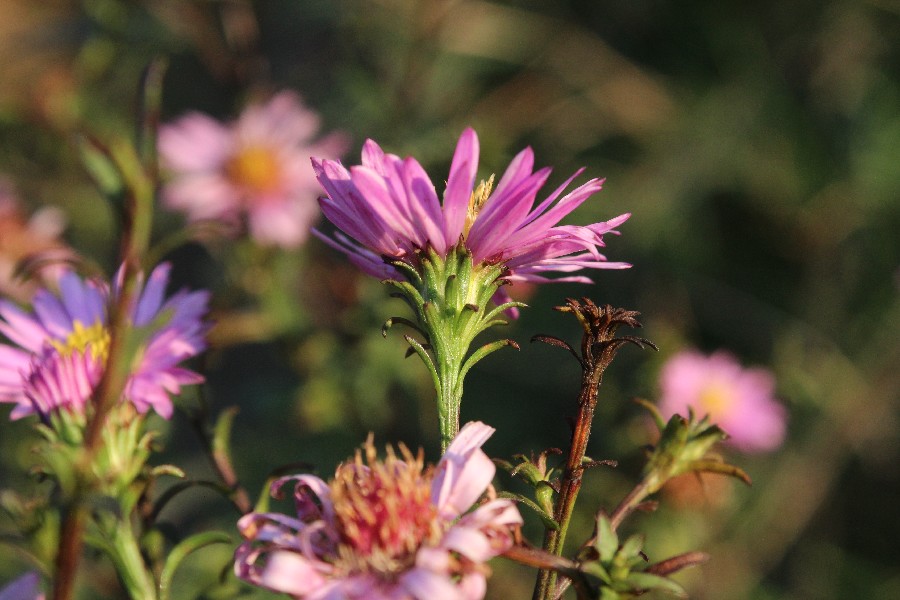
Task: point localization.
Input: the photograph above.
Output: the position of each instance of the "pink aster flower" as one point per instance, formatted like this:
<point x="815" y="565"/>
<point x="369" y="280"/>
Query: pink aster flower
<point x="390" y="209"/>
<point x="739" y="400"/>
<point x="58" y="352"/>
<point x="254" y="170"/>
<point x="390" y="529"/>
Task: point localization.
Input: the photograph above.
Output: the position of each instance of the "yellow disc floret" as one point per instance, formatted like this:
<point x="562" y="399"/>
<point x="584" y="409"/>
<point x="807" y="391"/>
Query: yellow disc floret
<point x="716" y="399"/>
<point x="255" y="168"/>
<point x="476" y="202"/>
<point x="93" y="339"/>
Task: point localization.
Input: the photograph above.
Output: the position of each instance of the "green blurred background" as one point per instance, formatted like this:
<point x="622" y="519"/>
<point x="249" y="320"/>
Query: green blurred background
<point x="756" y="144"/>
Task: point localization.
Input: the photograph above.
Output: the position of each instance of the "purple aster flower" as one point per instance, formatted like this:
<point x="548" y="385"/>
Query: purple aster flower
<point x="739" y="400"/>
<point x="26" y="587"/>
<point x="58" y="352"/>
<point x="390" y="529"/>
<point x="388" y="208"/>
<point x="255" y="169"/>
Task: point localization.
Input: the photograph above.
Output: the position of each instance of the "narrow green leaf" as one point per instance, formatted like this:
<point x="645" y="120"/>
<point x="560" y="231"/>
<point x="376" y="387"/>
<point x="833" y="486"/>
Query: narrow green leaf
<point x="632" y="546"/>
<point x="502" y="308"/>
<point x="148" y="116"/>
<point x="715" y="466"/>
<point x="426" y="358"/>
<point x="482" y="352"/>
<point x="595" y="569"/>
<point x="609" y="594"/>
<point x="402" y="321"/>
<point x="654" y="412"/>
<point x="221" y="439"/>
<point x="607" y="542"/>
<point x="102" y="168"/>
<point x="408" y="270"/>
<point x="171" y="470"/>
<point x="546" y="518"/>
<point x="647" y="581"/>
<point x="181" y="551"/>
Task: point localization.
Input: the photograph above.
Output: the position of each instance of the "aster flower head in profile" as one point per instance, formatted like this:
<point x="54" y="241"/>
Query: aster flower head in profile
<point x="381" y="529"/>
<point x="450" y="259"/>
<point x="57" y="353"/>
<point x="388" y="211"/>
<point x="738" y="400"/>
<point x="251" y="173"/>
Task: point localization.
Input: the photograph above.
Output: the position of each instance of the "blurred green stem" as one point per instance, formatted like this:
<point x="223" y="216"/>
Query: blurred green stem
<point x="136" y="189"/>
<point x="126" y="556"/>
<point x="631" y="501"/>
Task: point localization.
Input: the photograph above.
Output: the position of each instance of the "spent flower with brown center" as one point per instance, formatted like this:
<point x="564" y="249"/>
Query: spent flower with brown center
<point x="384" y="528"/>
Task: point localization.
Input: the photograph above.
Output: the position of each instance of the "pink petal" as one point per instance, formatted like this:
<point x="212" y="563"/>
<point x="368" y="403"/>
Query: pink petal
<point x="26" y="587"/>
<point x="290" y="573"/>
<point x="460" y="185"/>
<point x="423" y="584"/>
<point x="464" y="472"/>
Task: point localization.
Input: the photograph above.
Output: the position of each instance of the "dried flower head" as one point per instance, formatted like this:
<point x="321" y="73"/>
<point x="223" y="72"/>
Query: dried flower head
<point x="384" y="528"/>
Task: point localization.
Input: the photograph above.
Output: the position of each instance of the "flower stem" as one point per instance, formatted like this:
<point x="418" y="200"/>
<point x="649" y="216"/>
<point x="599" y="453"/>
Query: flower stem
<point x="126" y="555"/>
<point x="137" y="174"/>
<point x="452" y="300"/>
<point x="598" y="348"/>
<point x="449" y="403"/>
<point x="629" y="503"/>
<point x="554" y="540"/>
<point x="69" y="551"/>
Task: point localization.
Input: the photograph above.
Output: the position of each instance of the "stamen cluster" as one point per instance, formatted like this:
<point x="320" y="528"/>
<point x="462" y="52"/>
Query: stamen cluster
<point x="390" y="528"/>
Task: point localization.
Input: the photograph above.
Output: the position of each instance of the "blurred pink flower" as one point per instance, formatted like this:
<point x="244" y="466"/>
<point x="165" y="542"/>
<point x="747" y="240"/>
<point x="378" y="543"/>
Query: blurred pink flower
<point x="255" y="170"/>
<point x="739" y="400"/>
<point x="26" y="587"/>
<point x="390" y="208"/>
<point x="33" y="241"/>
<point x="58" y="353"/>
<point x="380" y="530"/>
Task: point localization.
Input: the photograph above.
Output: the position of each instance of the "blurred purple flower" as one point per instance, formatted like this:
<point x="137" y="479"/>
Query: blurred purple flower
<point x="384" y="529"/>
<point x="26" y="587"/>
<point x="739" y="400"/>
<point x="58" y="353"/>
<point x="390" y="208"/>
<point x="256" y="169"/>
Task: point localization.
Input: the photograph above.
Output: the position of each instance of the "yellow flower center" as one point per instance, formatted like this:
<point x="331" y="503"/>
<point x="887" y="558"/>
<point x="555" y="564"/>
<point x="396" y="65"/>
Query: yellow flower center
<point x="93" y="339"/>
<point x="716" y="399"/>
<point x="476" y="203"/>
<point x="383" y="510"/>
<point x="255" y="168"/>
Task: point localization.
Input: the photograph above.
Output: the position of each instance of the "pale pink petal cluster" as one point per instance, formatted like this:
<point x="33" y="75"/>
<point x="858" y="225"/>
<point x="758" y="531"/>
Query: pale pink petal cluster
<point x="251" y="173"/>
<point x="34" y="241"/>
<point x="414" y="540"/>
<point x="57" y="353"/>
<point x="387" y="207"/>
<point x="740" y="401"/>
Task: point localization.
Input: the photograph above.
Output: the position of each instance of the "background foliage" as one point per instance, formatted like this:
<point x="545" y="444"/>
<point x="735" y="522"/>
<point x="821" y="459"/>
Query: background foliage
<point x="756" y="144"/>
